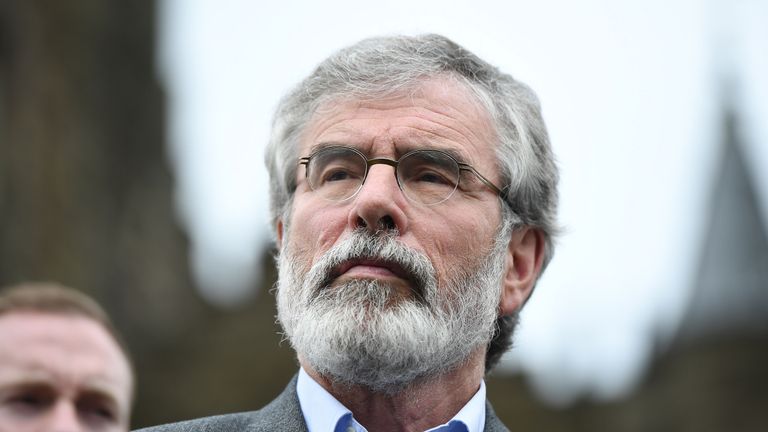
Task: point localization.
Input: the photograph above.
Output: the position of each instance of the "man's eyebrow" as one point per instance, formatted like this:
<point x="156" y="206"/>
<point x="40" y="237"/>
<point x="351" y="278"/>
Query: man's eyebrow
<point x="460" y="156"/>
<point x="328" y="144"/>
<point x="454" y="153"/>
<point x="98" y="393"/>
<point x="28" y="374"/>
<point x="25" y="385"/>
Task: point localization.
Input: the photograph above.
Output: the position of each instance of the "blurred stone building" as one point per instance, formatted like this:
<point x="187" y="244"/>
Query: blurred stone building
<point x="712" y="376"/>
<point x="86" y="199"/>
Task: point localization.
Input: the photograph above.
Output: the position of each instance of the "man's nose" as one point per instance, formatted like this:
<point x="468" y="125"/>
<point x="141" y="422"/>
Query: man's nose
<point x="63" y="417"/>
<point x="380" y="204"/>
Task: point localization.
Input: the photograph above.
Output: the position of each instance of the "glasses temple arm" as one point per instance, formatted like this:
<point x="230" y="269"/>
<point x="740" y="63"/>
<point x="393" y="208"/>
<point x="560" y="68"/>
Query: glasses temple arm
<point x="482" y="178"/>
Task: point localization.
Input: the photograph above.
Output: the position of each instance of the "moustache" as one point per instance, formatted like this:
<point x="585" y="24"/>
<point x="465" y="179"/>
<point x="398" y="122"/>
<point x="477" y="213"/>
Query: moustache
<point x="384" y="250"/>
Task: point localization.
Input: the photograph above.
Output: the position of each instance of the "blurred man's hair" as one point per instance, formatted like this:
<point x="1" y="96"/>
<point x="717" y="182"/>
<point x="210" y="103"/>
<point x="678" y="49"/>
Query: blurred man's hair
<point x="53" y="298"/>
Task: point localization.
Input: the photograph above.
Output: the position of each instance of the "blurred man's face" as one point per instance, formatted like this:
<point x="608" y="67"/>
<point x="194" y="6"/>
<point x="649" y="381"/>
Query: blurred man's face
<point x="61" y="373"/>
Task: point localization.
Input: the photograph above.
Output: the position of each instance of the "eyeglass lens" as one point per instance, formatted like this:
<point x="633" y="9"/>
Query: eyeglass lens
<point x="426" y="176"/>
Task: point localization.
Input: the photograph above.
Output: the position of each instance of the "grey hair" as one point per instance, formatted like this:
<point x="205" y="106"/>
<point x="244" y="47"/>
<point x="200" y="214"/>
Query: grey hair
<point x="383" y="66"/>
<point x="386" y="66"/>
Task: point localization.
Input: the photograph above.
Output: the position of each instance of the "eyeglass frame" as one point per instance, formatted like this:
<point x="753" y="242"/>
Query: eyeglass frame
<point x="394" y="163"/>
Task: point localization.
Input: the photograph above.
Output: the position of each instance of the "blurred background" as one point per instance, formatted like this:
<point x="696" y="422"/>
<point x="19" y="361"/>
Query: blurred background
<point x="131" y="140"/>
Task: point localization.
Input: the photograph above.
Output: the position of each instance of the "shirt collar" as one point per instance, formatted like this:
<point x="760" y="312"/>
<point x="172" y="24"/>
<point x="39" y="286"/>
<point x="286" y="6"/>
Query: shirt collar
<point x="322" y="411"/>
<point x="472" y="414"/>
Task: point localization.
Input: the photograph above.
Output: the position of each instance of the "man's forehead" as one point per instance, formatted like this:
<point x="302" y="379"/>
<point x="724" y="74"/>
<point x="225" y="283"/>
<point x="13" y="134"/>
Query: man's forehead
<point x="31" y="324"/>
<point x="448" y="91"/>
<point x="42" y="345"/>
<point x="449" y="111"/>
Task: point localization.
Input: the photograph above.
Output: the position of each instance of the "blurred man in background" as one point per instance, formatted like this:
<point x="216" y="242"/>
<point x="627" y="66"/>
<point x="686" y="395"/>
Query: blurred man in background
<point x="413" y="196"/>
<point x="62" y="367"/>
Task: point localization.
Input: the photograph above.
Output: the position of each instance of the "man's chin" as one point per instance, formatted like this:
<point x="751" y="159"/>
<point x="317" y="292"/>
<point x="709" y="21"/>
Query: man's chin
<point x="376" y="293"/>
<point x="386" y="375"/>
<point x="374" y="375"/>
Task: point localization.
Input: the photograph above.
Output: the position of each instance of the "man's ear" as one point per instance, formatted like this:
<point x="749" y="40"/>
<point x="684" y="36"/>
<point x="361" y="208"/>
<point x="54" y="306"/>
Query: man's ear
<point x="279" y="229"/>
<point x="525" y="255"/>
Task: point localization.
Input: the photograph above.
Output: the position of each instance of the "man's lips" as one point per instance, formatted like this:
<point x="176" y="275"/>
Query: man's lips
<point x="370" y="268"/>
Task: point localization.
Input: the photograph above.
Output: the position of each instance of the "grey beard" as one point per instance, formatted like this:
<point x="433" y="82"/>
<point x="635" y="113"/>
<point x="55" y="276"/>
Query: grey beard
<point x="362" y="332"/>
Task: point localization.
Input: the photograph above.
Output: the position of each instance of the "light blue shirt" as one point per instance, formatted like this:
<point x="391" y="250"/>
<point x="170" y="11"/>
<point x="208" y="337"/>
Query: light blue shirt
<point x="323" y="413"/>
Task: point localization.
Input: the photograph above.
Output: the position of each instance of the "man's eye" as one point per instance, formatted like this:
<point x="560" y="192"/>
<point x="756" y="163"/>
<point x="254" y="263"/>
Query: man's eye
<point x="28" y="402"/>
<point x="339" y="173"/>
<point x="431" y="177"/>
<point x="96" y="411"/>
<point x="336" y="175"/>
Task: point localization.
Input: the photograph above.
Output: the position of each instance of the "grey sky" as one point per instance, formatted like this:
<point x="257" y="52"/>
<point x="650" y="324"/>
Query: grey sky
<point x="630" y="95"/>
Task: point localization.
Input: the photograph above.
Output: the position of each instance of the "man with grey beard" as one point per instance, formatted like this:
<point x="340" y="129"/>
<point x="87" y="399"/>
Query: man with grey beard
<point x="413" y="193"/>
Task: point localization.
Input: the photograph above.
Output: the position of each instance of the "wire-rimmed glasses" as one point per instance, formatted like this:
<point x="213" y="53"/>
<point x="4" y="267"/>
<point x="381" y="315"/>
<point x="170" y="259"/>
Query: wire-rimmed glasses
<point x="426" y="176"/>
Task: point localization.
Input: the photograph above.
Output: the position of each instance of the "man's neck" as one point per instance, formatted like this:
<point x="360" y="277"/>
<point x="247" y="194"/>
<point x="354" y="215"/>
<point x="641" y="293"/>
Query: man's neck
<point x="418" y="407"/>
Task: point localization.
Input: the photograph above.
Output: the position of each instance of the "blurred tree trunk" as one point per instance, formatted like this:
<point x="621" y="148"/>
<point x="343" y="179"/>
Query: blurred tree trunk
<point x="86" y="195"/>
<point x="85" y="189"/>
<point x="86" y="199"/>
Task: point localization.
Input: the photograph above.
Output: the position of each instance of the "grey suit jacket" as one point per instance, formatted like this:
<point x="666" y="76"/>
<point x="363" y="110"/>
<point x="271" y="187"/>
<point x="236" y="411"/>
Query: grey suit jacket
<point x="282" y="414"/>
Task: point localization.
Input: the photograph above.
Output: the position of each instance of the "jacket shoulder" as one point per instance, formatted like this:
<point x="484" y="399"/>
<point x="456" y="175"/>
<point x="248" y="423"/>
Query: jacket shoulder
<point x="492" y="422"/>
<point x="219" y="423"/>
<point x="282" y="414"/>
